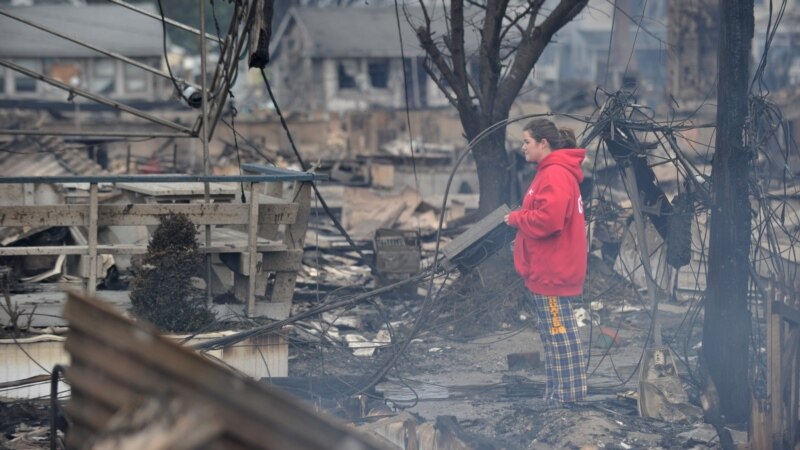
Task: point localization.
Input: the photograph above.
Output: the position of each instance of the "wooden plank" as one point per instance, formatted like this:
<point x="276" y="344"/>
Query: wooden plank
<point x="143" y="214"/>
<point x="285" y="260"/>
<point x="283" y="289"/>
<point x="258" y="415"/>
<point x="294" y="237"/>
<point x="141" y="374"/>
<point x="178" y="189"/>
<point x="793" y="381"/>
<point x="288" y="261"/>
<point x="92" y="282"/>
<point x="274" y="196"/>
<point x="252" y="236"/>
<point x="774" y="344"/>
<point x="786" y="312"/>
<point x="86" y="413"/>
<point x="83" y="376"/>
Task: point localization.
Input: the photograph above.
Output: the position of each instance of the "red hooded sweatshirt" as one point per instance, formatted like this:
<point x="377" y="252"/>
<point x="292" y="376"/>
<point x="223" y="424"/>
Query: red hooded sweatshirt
<point x="550" y="248"/>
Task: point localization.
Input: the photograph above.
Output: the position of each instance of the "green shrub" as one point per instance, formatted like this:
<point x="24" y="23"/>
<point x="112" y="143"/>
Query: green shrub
<point x="162" y="291"/>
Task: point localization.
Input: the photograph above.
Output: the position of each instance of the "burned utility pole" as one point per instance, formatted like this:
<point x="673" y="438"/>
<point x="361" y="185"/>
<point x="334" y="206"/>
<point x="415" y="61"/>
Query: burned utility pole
<point x="726" y="326"/>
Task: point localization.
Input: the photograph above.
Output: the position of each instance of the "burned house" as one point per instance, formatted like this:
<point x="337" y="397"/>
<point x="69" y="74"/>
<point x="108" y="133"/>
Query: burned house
<point x="349" y="59"/>
<point x="41" y="39"/>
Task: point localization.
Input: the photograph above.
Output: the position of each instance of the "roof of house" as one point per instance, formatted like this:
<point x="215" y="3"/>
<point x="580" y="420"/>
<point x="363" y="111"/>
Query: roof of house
<point x="45" y="156"/>
<point x="368" y="31"/>
<point x="110" y="27"/>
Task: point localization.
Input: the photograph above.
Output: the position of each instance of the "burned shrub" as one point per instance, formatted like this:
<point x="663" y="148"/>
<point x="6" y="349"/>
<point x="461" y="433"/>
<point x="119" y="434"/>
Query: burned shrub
<point x="162" y="292"/>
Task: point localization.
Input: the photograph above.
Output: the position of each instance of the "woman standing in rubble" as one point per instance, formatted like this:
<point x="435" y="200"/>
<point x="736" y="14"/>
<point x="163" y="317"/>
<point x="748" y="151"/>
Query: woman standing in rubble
<point x="550" y="253"/>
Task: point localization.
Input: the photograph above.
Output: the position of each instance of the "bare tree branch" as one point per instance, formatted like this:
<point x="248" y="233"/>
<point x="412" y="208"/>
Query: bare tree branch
<point x="441" y="84"/>
<point x="456" y="75"/>
<point x="455" y="43"/>
<point x="489" y="62"/>
<point x="531" y="10"/>
<point x="531" y="47"/>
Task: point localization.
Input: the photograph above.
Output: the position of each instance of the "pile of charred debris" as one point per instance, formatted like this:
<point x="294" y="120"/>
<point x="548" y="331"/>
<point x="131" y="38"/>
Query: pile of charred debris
<point x="415" y="332"/>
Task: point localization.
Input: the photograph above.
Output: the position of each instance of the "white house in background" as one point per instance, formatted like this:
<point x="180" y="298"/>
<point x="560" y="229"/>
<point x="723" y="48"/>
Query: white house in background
<point x="580" y="50"/>
<point x="110" y="27"/>
<point x="348" y="59"/>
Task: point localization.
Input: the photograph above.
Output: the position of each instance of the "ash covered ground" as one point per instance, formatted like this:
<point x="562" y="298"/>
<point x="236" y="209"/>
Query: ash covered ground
<point x="457" y="364"/>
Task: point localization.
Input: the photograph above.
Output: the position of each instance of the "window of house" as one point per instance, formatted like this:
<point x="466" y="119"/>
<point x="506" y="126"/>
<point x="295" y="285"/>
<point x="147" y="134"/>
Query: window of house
<point x="135" y="79"/>
<point x="103" y="80"/>
<point x="67" y="71"/>
<point x="22" y="83"/>
<point x="346" y="74"/>
<point x="379" y="73"/>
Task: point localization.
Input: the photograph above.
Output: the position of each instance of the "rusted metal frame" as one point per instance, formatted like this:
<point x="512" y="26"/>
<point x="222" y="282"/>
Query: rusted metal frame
<point x="75" y="40"/>
<point x="92" y="239"/>
<point x="121" y="134"/>
<point x="174" y="23"/>
<point x="252" y="239"/>
<point x="91" y="96"/>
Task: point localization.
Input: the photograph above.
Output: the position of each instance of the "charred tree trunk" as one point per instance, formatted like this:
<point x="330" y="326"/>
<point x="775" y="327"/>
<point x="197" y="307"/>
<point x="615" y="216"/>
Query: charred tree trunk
<point x="492" y="163"/>
<point x="726" y="326"/>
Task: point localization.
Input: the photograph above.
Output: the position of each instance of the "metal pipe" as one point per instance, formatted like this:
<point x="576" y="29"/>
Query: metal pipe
<point x="206" y="162"/>
<point x="93" y="47"/>
<point x="97" y="98"/>
<point x="174" y="23"/>
<point x="58" y="370"/>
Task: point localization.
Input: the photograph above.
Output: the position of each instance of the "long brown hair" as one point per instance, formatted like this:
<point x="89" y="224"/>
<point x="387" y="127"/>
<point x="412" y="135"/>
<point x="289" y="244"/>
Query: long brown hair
<point x="545" y="129"/>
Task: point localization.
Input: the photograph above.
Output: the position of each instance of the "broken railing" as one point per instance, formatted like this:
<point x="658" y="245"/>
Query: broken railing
<point x="251" y="254"/>
<point x="776" y="417"/>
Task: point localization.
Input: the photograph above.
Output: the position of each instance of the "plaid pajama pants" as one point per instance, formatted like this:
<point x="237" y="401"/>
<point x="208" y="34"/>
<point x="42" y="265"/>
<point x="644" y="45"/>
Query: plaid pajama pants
<point x="563" y="356"/>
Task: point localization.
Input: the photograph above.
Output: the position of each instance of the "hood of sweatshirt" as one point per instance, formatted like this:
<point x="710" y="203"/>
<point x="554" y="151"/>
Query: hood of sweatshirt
<point x="570" y="158"/>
